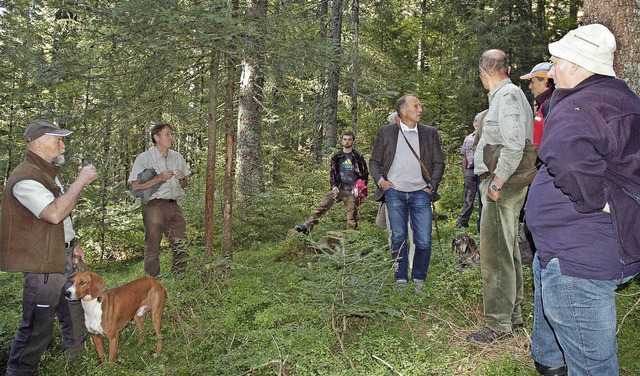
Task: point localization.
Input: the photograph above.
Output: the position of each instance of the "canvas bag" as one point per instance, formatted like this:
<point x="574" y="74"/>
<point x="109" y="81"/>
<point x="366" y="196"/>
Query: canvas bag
<point x="381" y="217"/>
<point x="526" y="170"/>
<point x="143" y="177"/>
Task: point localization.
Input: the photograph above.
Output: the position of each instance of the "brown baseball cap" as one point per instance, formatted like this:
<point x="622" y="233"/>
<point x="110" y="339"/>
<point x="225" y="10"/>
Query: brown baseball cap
<point x="42" y="127"/>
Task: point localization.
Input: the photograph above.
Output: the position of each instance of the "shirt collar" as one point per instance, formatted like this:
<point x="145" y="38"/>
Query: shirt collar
<point x="157" y="153"/>
<point x="499" y="86"/>
<point x="405" y="128"/>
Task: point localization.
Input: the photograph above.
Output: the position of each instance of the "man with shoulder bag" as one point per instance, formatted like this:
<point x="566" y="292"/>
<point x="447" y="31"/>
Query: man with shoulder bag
<point x="407" y="164"/>
<point x="506" y="132"/>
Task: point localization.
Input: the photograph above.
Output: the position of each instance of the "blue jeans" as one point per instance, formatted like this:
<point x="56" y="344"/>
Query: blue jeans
<point x="574" y="321"/>
<point x="401" y="207"/>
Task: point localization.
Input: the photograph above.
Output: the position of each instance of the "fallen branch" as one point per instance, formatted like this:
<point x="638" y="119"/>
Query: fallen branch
<point x="280" y="363"/>
<point x="392" y="368"/>
<point x="626" y="315"/>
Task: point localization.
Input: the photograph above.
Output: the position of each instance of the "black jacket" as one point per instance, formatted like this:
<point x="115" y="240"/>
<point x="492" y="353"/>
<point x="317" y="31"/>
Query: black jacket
<point x="384" y="150"/>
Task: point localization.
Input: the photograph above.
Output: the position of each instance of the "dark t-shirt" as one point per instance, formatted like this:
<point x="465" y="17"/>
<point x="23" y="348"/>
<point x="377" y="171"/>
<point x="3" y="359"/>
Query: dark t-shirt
<point x="347" y="175"/>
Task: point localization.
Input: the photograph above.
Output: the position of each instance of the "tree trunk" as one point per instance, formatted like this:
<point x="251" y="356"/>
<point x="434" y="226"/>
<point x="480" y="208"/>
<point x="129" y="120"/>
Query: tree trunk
<point x="209" y="217"/>
<point x="334" y="78"/>
<point x="540" y="16"/>
<point x="574" y="7"/>
<point x="622" y="17"/>
<point x="321" y="14"/>
<point x="227" y="205"/>
<point x="354" y="89"/>
<point x="423" y="30"/>
<point x="249" y="173"/>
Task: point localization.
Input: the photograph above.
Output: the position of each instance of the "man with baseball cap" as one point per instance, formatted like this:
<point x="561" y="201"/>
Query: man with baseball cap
<point x="541" y="86"/>
<point x="37" y="239"/>
<point x="584" y="207"/>
<point x="42" y="127"/>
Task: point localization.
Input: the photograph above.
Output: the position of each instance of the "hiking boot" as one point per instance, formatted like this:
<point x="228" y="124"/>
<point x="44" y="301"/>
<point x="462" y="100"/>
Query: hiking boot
<point x="548" y="371"/>
<point x="419" y="284"/>
<point x="401" y="284"/>
<point x="302" y="229"/>
<point x="486" y="335"/>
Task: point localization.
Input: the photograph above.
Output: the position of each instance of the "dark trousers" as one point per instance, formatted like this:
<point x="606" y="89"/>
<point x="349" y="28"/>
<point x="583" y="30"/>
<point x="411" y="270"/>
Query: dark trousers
<point x="471" y="183"/>
<point x="43" y="299"/>
<point x="163" y="217"/>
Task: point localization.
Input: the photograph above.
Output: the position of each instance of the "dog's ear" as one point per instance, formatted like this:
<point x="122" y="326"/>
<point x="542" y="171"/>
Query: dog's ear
<point x="472" y="243"/>
<point x="453" y="244"/>
<point x="97" y="285"/>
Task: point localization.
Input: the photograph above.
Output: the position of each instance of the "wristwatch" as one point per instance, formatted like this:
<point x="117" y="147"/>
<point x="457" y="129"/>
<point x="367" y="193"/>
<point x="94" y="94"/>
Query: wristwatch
<point x="495" y="187"/>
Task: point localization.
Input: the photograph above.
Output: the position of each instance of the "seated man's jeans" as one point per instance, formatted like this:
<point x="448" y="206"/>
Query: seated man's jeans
<point x="574" y="321"/>
<point x="401" y="207"/>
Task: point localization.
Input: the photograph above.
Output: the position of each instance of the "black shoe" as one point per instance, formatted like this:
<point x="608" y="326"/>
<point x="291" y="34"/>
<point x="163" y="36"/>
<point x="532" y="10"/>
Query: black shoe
<point x="548" y="371"/>
<point x="486" y="335"/>
<point x="517" y="327"/>
<point x="461" y="225"/>
<point x="302" y="229"/>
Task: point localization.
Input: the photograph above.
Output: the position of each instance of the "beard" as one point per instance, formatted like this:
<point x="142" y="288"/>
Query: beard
<point x="58" y="160"/>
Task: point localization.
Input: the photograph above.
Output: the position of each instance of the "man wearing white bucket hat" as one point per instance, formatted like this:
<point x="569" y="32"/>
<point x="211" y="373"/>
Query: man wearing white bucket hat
<point x="584" y="207"/>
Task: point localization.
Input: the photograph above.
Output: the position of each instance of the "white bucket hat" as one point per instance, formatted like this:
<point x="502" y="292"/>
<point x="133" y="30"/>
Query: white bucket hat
<point x="590" y="46"/>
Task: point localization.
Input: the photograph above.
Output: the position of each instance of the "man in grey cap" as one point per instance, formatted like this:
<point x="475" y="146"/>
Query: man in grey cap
<point x="584" y="207"/>
<point x="37" y="238"/>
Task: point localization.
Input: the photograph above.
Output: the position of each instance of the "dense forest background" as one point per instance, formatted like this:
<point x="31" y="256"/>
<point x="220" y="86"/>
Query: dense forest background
<point x="254" y="88"/>
<point x="258" y="92"/>
<point x="279" y="79"/>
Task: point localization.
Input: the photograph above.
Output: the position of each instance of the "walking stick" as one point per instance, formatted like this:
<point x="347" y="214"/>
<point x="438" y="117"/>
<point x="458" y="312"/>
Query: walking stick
<point x="435" y="221"/>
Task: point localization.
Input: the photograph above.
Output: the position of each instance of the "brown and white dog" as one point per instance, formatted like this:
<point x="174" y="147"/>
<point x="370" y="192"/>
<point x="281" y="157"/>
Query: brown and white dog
<point x="465" y="247"/>
<point x="106" y="312"/>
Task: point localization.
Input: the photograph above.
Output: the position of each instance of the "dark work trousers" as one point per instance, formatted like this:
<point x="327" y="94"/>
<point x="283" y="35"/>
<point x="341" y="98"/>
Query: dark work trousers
<point x="470" y="190"/>
<point x="163" y="217"/>
<point x="42" y="299"/>
<point x="479" y="202"/>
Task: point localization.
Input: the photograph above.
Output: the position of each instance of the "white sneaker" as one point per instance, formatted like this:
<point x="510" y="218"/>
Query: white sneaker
<point x="401" y="284"/>
<point x="419" y="283"/>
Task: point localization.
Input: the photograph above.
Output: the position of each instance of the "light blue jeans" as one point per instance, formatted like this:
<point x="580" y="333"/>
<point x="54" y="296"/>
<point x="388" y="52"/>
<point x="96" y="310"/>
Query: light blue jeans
<point x="402" y="206"/>
<point x="574" y="321"/>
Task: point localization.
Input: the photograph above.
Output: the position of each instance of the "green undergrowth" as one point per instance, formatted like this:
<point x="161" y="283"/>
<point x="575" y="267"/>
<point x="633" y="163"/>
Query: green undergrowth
<point x="319" y="305"/>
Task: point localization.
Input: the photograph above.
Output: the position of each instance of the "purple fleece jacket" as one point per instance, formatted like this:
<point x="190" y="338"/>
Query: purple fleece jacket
<point x="591" y="156"/>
